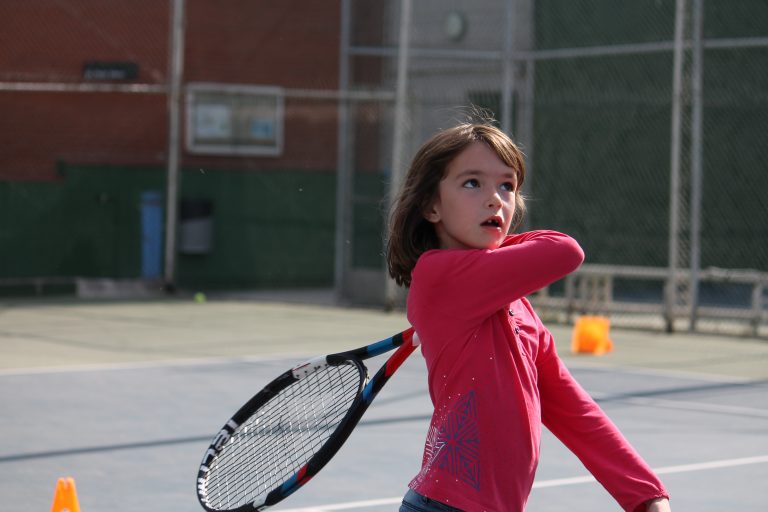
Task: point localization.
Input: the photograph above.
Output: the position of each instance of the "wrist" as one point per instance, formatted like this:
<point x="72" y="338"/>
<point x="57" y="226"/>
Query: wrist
<point x="657" y="505"/>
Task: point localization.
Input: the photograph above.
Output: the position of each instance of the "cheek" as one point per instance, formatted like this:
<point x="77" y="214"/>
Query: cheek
<point x="511" y="207"/>
<point x="511" y="203"/>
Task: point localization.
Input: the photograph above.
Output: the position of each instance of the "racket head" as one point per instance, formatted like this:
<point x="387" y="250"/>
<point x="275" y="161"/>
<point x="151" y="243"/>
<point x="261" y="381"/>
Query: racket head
<point x="281" y="437"/>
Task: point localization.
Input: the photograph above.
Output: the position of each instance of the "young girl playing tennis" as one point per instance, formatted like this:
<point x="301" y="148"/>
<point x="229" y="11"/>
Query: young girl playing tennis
<point x="494" y="375"/>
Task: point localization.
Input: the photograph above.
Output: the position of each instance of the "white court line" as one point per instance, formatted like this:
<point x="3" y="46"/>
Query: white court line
<point x="161" y="363"/>
<point x="661" y="372"/>
<point x="698" y="406"/>
<point x="348" y="505"/>
<point x="301" y="356"/>
<point x="557" y="482"/>
<point x="684" y="405"/>
<point x="715" y="464"/>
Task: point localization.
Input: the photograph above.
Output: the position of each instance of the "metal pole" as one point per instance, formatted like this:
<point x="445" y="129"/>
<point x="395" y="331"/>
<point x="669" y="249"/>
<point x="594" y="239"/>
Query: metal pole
<point x="526" y="96"/>
<point x="399" y="128"/>
<point x="174" y="120"/>
<point x="675" y="152"/>
<point x="508" y="67"/>
<point x="343" y="173"/>
<point x="697" y="71"/>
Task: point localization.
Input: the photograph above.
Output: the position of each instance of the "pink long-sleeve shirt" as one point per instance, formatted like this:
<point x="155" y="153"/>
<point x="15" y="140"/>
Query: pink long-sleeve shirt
<point x="495" y="377"/>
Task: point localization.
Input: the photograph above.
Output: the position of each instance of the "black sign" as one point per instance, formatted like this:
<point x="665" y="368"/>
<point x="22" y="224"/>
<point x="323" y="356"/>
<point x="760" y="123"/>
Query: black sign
<point x="108" y="71"/>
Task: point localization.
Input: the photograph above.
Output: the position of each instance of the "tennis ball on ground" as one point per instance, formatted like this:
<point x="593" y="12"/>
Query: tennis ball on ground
<point x="199" y="297"/>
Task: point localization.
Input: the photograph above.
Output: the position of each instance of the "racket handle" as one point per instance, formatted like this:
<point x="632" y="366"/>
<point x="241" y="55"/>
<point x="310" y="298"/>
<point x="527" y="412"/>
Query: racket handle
<point x="390" y="367"/>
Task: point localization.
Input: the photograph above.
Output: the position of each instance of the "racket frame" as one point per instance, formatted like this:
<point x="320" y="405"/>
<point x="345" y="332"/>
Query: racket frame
<point x="405" y="342"/>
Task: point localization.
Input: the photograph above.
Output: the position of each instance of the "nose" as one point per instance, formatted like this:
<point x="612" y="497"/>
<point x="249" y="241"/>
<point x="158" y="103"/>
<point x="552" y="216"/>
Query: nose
<point x="494" y="201"/>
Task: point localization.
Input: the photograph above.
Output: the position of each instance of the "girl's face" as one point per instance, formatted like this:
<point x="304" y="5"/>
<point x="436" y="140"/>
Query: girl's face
<point x="476" y="200"/>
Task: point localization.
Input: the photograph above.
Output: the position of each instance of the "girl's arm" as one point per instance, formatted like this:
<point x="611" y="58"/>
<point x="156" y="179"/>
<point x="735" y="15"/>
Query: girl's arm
<point x="477" y="283"/>
<point x="574" y="418"/>
<point x="658" y="505"/>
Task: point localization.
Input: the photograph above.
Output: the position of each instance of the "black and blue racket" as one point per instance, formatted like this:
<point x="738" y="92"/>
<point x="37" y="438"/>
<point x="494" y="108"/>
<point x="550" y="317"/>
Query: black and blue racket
<point x="290" y="429"/>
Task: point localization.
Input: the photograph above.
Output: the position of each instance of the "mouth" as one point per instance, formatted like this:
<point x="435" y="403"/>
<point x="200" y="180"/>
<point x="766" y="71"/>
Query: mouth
<point x="493" y="222"/>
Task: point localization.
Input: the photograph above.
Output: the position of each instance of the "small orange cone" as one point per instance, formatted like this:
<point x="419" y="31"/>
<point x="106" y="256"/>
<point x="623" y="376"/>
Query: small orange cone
<point x="590" y="335"/>
<point x="65" y="498"/>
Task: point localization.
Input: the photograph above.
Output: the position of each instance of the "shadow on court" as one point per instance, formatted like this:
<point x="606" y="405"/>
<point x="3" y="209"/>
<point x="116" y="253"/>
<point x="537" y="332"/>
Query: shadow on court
<point x="125" y="397"/>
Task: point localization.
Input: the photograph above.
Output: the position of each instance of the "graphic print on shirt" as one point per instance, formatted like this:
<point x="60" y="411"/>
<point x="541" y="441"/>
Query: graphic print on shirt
<point x="454" y="446"/>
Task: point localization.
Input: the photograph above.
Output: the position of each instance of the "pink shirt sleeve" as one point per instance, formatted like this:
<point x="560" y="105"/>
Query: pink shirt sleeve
<point x="490" y="279"/>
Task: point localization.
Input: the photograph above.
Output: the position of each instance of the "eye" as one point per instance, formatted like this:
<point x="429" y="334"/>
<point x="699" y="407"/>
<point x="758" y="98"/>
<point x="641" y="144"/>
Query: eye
<point x="471" y="183"/>
<point x="507" y="186"/>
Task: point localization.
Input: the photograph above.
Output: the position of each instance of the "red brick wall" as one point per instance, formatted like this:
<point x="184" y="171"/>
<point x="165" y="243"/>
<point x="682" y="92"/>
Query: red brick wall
<point x="48" y="41"/>
<point x="291" y="43"/>
<point x="40" y="129"/>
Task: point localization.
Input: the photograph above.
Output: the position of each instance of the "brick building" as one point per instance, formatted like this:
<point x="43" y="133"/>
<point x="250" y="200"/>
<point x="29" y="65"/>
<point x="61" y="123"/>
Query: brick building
<point x="58" y="106"/>
<point x="84" y="131"/>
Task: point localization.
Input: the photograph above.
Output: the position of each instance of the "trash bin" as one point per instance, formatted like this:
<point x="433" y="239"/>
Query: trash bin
<point x="195" y="226"/>
<point x="151" y="206"/>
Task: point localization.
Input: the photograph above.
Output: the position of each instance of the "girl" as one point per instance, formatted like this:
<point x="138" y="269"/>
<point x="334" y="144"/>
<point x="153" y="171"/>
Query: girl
<point x="494" y="376"/>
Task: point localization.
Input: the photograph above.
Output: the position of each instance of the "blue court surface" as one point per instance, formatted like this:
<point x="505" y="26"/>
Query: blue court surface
<point x="125" y="397"/>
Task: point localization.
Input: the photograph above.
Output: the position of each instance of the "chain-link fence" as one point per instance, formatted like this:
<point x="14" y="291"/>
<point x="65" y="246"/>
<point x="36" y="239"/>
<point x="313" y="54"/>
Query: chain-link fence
<point x="245" y="144"/>
<point x="643" y="141"/>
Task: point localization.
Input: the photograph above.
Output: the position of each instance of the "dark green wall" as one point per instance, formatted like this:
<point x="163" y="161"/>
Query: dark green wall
<point x="85" y="224"/>
<point x="601" y="164"/>
<point x="270" y="228"/>
<point x="735" y="195"/>
<point x="602" y="133"/>
<point x="577" y="23"/>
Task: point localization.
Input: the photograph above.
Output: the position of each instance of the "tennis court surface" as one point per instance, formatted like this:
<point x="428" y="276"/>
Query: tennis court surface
<point x="125" y="396"/>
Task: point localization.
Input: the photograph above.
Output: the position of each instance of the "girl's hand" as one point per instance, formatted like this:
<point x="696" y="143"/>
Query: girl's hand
<point x="658" y="505"/>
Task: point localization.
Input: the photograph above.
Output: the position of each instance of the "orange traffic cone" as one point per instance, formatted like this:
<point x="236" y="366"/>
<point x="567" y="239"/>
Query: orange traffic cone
<point x="65" y="498"/>
<point x="590" y="335"/>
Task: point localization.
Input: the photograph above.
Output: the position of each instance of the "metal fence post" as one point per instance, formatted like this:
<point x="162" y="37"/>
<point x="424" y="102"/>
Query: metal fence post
<point x="343" y="172"/>
<point x="671" y="292"/>
<point x="398" y="132"/>
<point x="697" y="69"/>
<point x="176" y="68"/>
<point x="508" y="67"/>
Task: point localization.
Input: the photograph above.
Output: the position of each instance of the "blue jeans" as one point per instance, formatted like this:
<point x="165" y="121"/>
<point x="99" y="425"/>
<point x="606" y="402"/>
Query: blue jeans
<point x="415" y="502"/>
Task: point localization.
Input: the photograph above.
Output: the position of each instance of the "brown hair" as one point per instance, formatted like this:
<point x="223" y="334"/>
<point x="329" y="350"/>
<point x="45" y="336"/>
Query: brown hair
<point x="409" y="233"/>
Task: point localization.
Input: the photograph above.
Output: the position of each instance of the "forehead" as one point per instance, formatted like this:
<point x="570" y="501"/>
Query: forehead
<point x="479" y="158"/>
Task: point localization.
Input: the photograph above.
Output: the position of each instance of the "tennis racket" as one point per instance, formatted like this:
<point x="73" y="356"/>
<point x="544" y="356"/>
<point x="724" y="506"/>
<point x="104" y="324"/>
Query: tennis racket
<point x="290" y="429"/>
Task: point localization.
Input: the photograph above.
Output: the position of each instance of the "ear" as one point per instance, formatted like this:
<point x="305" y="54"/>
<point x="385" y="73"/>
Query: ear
<point x="432" y="214"/>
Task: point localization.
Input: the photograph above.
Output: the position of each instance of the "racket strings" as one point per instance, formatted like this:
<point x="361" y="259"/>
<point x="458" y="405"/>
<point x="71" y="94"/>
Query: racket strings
<point x="281" y="436"/>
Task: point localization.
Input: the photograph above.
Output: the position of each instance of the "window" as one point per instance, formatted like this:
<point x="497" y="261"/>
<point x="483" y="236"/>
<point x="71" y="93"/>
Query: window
<point x="234" y="120"/>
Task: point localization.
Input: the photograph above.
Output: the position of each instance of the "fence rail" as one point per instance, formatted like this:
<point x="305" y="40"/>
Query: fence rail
<point x="592" y="290"/>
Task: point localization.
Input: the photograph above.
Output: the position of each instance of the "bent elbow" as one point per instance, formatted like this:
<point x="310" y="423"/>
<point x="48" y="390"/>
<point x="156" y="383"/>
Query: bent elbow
<point x="572" y="255"/>
<point x="577" y="255"/>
